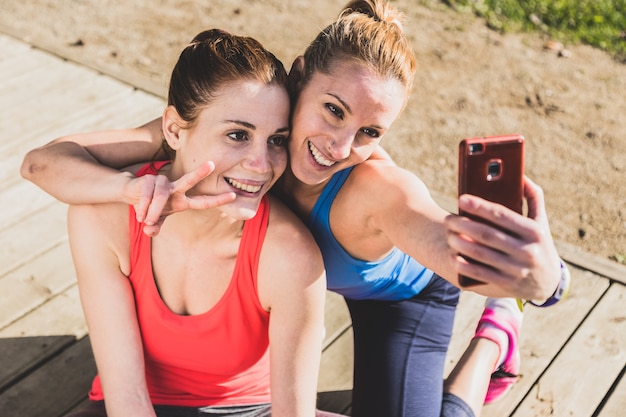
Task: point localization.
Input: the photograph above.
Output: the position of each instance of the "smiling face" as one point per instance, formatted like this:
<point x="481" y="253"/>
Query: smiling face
<point x="244" y="132"/>
<point x="339" y="119"/>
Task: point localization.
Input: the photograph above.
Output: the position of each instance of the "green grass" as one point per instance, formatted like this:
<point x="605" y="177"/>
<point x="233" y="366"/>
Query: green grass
<point x="599" y="23"/>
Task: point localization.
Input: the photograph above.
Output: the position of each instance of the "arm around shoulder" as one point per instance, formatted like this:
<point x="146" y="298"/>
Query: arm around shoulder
<point x="83" y="168"/>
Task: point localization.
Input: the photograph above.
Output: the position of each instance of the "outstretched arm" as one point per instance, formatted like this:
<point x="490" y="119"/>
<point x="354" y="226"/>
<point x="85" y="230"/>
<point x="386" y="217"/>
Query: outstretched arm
<point x="519" y="259"/>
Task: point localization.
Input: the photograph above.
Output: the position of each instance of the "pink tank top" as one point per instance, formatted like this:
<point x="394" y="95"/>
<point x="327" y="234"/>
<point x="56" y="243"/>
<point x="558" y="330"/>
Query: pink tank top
<point x="219" y="357"/>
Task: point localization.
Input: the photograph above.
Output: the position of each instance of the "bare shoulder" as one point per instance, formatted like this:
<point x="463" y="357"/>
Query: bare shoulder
<point x="100" y="217"/>
<point x="287" y="231"/>
<point x="385" y="183"/>
<point x="98" y="229"/>
<point x="290" y="258"/>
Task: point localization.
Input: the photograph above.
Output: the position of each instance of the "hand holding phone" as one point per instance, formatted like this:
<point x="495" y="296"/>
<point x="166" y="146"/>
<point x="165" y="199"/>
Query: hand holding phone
<point x="491" y="168"/>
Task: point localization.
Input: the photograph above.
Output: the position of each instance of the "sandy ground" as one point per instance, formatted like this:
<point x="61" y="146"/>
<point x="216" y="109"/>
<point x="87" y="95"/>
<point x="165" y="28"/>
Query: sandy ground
<point x="471" y="82"/>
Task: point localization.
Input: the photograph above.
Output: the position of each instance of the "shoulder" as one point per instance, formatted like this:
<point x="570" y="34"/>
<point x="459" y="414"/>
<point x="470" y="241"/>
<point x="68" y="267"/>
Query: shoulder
<point x="286" y="230"/>
<point x="290" y="258"/>
<point x="99" y="230"/>
<point x="99" y="216"/>
<point x="381" y="183"/>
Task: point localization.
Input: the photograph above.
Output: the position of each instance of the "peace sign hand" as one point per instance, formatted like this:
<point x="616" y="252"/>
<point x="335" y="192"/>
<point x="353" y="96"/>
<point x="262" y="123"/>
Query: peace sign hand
<point x="155" y="197"/>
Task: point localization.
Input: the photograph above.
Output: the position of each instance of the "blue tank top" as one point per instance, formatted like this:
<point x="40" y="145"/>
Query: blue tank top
<point x="395" y="277"/>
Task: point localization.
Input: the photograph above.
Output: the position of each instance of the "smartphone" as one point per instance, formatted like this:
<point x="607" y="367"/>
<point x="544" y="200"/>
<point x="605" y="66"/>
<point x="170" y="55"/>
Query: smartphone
<point x="492" y="168"/>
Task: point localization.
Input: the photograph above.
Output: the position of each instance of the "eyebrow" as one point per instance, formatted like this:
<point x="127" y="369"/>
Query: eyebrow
<point x="253" y="127"/>
<point x="343" y="103"/>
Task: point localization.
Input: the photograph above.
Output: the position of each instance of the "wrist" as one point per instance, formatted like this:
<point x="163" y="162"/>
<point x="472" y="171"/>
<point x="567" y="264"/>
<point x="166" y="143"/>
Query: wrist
<point x="561" y="290"/>
<point x="126" y="189"/>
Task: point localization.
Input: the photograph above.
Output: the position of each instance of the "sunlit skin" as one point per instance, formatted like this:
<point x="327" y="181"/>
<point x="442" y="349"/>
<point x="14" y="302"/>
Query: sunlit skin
<point x="246" y="137"/>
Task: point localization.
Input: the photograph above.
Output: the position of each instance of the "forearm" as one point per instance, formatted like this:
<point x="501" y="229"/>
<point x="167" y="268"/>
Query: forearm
<point x="81" y="168"/>
<point x="294" y="379"/>
<point x="71" y="174"/>
<point x="296" y="355"/>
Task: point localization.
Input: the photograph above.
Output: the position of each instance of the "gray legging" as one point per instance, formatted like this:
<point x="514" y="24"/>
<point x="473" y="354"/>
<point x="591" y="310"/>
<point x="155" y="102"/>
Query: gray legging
<point x="96" y="409"/>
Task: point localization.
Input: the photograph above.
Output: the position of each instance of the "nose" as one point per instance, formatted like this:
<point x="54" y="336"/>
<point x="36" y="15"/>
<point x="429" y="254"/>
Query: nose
<point x="339" y="146"/>
<point x="258" y="158"/>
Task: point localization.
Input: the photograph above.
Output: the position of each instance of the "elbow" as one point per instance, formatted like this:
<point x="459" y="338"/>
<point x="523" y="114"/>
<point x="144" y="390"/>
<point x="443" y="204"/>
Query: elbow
<point x="30" y="166"/>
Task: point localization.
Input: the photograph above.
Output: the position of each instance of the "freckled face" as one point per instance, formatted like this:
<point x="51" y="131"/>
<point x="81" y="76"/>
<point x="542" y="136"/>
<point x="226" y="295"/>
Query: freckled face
<point x="339" y="119"/>
<point x="244" y="131"/>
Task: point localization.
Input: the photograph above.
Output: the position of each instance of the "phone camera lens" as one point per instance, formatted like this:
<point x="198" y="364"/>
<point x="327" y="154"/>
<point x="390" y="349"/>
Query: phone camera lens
<point x="494" y="169"/>
<point x="475" y="148"/>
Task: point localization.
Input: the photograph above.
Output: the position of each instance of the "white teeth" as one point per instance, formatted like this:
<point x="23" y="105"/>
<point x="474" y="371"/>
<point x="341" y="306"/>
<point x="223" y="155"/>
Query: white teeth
<point x="244" y="187"/>
<point x="319" y="158"/>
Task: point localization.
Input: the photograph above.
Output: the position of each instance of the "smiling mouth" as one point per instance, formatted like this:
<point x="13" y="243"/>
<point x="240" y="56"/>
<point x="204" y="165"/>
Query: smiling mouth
<point x="319" y="158"/>
<point x="244" y="187"/>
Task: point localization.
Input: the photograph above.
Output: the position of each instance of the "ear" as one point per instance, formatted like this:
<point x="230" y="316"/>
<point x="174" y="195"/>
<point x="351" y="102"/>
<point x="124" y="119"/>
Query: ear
<point x="296" y="73"/>
<point x="172" y="126"/>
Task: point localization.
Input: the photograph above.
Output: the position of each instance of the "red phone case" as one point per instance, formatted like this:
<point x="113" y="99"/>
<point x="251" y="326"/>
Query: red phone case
<point x="492" y="168"/>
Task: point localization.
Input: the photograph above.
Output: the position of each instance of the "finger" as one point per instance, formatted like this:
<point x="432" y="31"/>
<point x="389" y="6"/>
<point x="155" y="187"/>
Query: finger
<point x="497" y="249"/>
<point x="154" y="229"/>
<point x="501" y="283"/>
<point x="504" y="218"/>
<point x="536" y="202"/>
<point x="146" y="192"/>
<point x="158" y="200"/>
<point x="191" y="179"/>
<point x="202" y="202"/>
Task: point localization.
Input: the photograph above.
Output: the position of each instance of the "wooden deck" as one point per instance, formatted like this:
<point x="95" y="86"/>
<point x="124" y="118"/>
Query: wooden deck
<point x="573" y="354"/>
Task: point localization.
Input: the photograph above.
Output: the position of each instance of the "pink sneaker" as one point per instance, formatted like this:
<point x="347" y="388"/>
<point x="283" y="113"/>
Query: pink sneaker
<point x="503" y="378"/>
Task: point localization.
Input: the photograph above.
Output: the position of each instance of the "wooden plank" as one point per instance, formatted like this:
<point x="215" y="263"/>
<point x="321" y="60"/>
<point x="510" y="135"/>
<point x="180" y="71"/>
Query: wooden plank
<point x="335" y="379"/>
<point x="16" y="59"/>
<point x="12" y="49"/>
<point x="60" y="315"/>
<point x="33" y="284"/>
<point x="581" y="375"/>
<point x="605" y="267"/>
<point x="19" y="356"/>
<point x="52" y="389"/>
<point x="335" y="401"/>
<point x="50" y="77"/>
<point x="99" y="104"/>
<point x="130" y="111"/>
<point x="616" y="403"/>
<point x="20" y="201"/>
<point x="31" y="237"/>
<point x="546" y="331"/>
<point x="336" y="318"/>
<point x="337" y="364"/>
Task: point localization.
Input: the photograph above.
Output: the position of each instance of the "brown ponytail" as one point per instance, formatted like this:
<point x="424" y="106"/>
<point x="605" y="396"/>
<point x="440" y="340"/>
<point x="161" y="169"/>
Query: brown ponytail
<point x="367" y="31"/>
